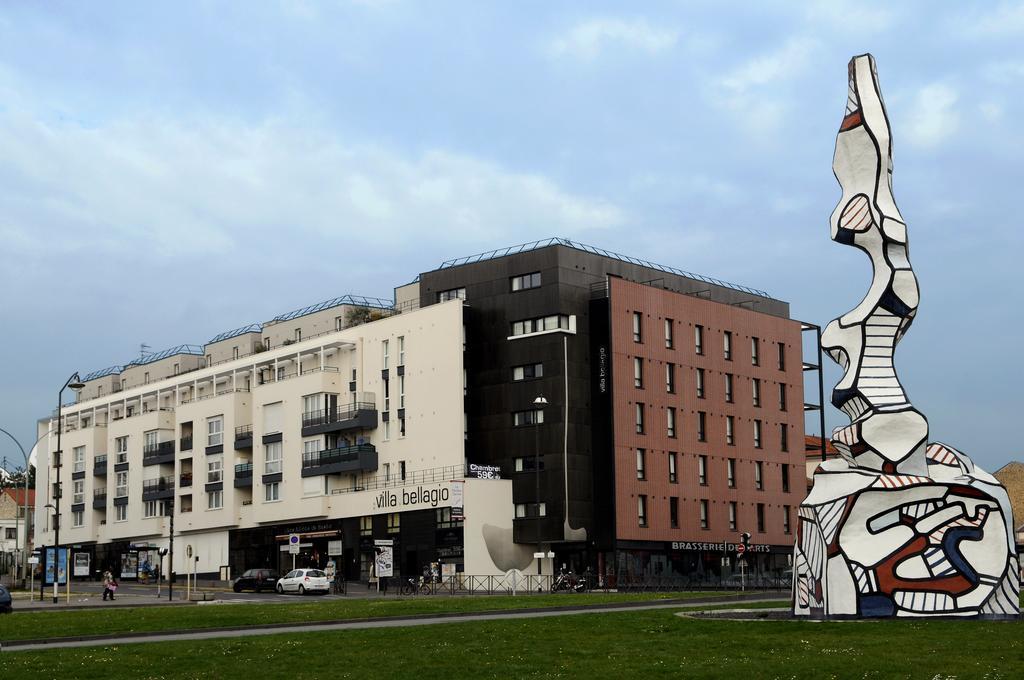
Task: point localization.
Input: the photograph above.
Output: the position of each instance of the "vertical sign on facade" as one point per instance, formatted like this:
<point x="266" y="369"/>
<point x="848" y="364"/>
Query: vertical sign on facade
<point x="458" y="503"/>
<point x="383" y="557"/>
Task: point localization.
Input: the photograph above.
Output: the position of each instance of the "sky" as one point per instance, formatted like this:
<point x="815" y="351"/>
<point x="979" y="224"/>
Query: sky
<point x="171" y="170"/>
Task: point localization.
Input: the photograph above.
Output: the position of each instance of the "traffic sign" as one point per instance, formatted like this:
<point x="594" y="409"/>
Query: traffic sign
<point x="740" y="548"/>
<point x="294" y="545"/>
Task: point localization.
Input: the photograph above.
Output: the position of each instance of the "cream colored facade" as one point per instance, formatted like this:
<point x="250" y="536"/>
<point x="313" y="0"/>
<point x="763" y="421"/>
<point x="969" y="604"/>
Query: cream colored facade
<point x="178" y="437"/>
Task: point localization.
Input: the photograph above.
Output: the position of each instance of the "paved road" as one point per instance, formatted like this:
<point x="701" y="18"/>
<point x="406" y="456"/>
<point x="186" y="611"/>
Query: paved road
<point x="395" y="622"/>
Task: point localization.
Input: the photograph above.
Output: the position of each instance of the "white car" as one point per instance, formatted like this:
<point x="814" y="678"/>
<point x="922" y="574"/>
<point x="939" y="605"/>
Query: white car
<point x="303" y="581"/>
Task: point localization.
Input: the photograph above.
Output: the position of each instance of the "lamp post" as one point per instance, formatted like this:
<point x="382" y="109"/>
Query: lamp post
<point x="75" y="383"/>
<point x="24" y="502"/>
<point x="540" y="402"/>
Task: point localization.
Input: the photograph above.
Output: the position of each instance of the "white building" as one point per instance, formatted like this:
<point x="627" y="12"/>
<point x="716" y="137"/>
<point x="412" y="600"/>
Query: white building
<point x="305" y="425"/>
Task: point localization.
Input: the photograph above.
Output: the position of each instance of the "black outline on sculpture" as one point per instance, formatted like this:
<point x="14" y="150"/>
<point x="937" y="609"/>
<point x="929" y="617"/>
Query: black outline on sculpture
<point x="895" y="526"/>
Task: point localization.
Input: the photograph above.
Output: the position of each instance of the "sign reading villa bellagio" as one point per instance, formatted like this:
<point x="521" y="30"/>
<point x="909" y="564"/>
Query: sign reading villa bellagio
<point x="413" y="497"/>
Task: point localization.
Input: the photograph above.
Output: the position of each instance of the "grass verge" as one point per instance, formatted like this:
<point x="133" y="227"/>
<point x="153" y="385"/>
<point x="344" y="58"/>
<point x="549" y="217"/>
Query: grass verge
<point x="94" y="621"/>
<point x="648" y="644"/>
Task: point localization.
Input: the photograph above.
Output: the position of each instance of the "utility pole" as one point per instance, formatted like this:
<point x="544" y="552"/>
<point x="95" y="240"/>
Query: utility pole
<point x="170" y="559"/>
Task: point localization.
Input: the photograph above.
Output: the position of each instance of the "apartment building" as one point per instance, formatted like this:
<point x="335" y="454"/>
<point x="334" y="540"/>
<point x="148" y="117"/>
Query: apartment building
<point x="622" y="467"/>
<point x="16" y="513"/>
<point x="340" y="422"/>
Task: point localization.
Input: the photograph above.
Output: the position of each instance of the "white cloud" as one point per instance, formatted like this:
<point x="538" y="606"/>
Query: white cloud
<point x="212" y="187"/>
<point x="590" y="38"/>
<point x="933" y="117"/>
<point x="1003" y="20"/>
<point x="1003" y="72"/>
<point x="756" y="92"/>
<point x="850" y="15"/>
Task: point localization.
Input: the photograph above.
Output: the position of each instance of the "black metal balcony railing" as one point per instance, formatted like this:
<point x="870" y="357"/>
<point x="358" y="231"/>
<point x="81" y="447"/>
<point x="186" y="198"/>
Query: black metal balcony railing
<point x="157" y="485"/>
<point x="158" y="453"/>
<point x="336" y="415"/>
<point x="243" y="432"/>
<point x="99" y="493"/>
<point x="99" y="465"/>
<point x="243" y="470"/>
<point x="358" y="458"/>
<point x="186" y="443"/>
<point x="185" y="479"/>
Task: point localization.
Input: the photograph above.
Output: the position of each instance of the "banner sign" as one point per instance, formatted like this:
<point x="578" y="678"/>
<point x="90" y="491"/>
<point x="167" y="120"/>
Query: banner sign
<point x="484" y="471"/>
<point x="81" y="564"/>
<point x="383" y="557"/>
<point x="458" y="507"/>
<point x="58" y="562"/>
<point x="602" y="369"/>
<point x="717" y="547"/>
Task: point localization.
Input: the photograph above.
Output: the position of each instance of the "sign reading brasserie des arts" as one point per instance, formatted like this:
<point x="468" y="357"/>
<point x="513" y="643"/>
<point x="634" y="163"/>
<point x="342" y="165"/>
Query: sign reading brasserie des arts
<point x="413" y="497"/>
<point x="698" y="546"/>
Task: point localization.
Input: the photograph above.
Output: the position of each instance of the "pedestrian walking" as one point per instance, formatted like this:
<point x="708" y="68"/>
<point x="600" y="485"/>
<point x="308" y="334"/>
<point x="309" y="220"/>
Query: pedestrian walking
<point x="109" y="585"/>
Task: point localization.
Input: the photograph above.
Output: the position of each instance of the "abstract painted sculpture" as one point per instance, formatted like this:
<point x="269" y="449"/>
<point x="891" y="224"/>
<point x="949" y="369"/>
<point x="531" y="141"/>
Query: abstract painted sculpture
<point x="894" y="526"/>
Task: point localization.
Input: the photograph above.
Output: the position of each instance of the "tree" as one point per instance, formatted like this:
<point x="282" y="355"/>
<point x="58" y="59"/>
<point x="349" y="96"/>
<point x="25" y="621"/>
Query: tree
<point x="360" y="315"/>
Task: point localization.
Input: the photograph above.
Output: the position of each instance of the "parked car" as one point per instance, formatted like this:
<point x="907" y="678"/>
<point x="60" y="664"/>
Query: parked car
<point x="256" y="579"/>
<point x="304" y="581"/>
<point x="6" y="601"/>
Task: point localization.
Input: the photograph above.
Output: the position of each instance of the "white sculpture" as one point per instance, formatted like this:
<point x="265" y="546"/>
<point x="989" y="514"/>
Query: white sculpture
<point x="895" y="526"/>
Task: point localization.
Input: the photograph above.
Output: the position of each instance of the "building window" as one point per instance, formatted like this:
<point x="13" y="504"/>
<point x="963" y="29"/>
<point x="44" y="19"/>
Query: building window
<point x="311" y="405"/>
<point x="698" y="339"/>
<point x="401" y="350"/>
<point x="782" y="396"/>
<point x="637" y="327"/>
<point x="527" y="463"/>
<point x="641" y="464"/>
<point x="704" y="523"/>
<point x="401" y="427"/>
<point x="527" y="372"/>
<point x="639" y="418"/>
<point x="272" y="492"/>
<point x="673" y="512"/>
<point x="541" y="324"/>
<point x="149" y="441"/>
<point x="78" y="491"/>
<point x="670" y="378"/>
<point x="730" y="472"/>
<point x="384" y="349"/>
<point x="525" y="281"/>
<point x="77" y="518"/>
<point x="366" y="526"/>
<point x="732" y="515"/>
<point x="453" y="294"/>
<point x="272" y="457"/>
<point x="668" y="333"/>
<point x="266" y="344"/>
<point x="670" y="417"/>
<point x="120" y="513"/>
<point x="755" y="391"/>
<point x="672" y="477"/>
<point x="700" y="383"/>
<point x="531" y="417"/>
<point x="759" y="475"/>
<point x="782" y="356"/>
<point x="401" y="470"/>
<point x="78" y="459"/>
<point x="785" y="478"/>
<point x="638" y="372"/>
<point x="387" y="430"/>
<point x="531" y="510"/>
<point x="641" y="510"/>
<point x="121" y="450"/>
<point x="702" y="470"/>
<point x="727" y="345"/>
<point x="757" y="434"/>
<point x="401" y="391"/>
<point x="444" y="519"/>
<point x="728" y="387"/>
<point x="215" y="431"/>
<point x="214" y="500"/>
<point x="153" y="509"/>
<point x="760" y="518"/>
<point x="755" y="352"/>
<point x="214" y="471"/>
<point x="783" y="437"/>
<point x="298" y="334"/>
<point x="121" y="485"/>
<point x="702" y="421"/>
<point x="730" y="423"/>
<point x="785" y="518"/>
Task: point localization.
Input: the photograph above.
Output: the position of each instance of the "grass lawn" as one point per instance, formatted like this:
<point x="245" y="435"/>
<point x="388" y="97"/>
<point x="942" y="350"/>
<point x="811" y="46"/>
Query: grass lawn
<point x="93" y="621"/>
<point x="649" y="644"/>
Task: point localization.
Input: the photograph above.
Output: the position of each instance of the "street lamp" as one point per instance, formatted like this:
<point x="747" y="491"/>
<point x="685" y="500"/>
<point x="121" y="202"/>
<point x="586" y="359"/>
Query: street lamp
<point x="540" y="402"/>
<point x="24" y="501"/>
<point x="75" y="383"/>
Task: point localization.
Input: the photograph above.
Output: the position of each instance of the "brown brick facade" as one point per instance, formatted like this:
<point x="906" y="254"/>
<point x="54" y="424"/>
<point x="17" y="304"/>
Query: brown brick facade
<point x="686" y="312"/>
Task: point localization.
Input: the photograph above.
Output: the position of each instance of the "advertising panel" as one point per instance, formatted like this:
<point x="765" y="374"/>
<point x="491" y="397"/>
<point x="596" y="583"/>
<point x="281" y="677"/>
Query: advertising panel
<point x="81" y="564"/>
<point x="383" y="557"/>
<point x="457" y="495"/>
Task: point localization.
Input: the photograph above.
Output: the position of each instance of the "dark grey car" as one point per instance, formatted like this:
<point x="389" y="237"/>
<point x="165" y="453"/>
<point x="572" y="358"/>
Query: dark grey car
<point x="6" y="602"/>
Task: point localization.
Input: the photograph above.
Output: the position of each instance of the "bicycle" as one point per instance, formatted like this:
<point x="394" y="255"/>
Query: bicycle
<point x="416" y="586"/>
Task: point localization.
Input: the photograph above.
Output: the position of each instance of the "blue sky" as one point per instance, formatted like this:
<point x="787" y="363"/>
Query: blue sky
<point x="172" y="170"/>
